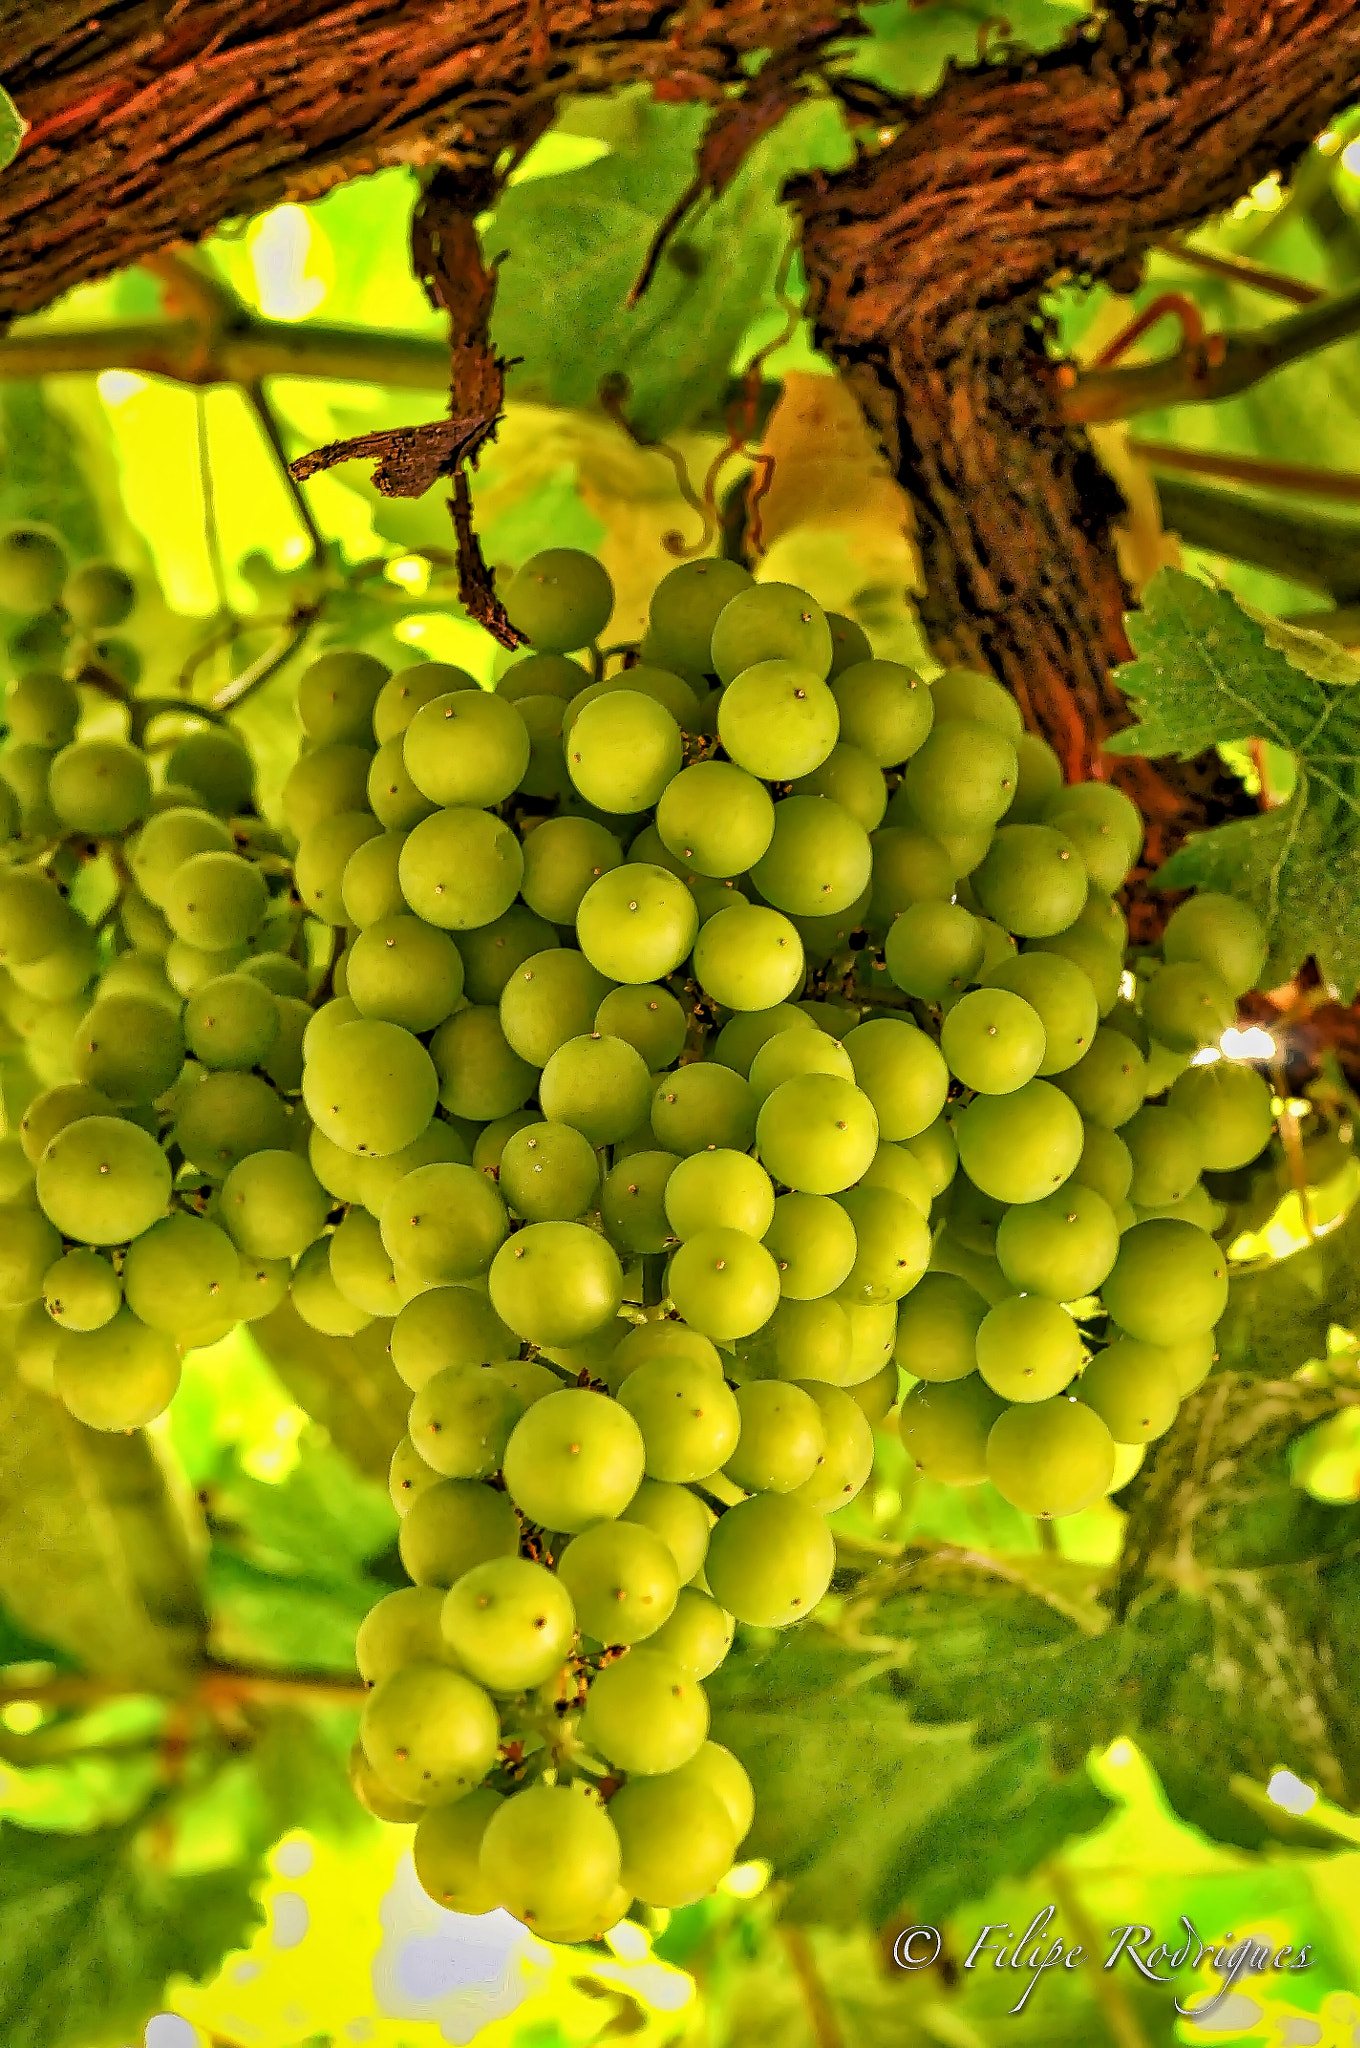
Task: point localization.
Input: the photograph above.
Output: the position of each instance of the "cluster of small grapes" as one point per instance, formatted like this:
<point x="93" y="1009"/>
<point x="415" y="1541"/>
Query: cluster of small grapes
<point x="149" y="985"/>
<point x="749" y="1100"/>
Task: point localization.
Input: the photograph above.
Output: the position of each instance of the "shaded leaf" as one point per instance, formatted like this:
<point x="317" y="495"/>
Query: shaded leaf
<point x="43" y="470"/>
<point x="95" y="1552"/>
<point x="348" y="1384"/>
<point x="1279" y="1316"/>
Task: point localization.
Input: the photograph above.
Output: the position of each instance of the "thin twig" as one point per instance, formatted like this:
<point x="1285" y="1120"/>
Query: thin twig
<point x="1308" y="481"/>
<point x="212" y="532"/>
<point x="1258" y="277"/>
<point x="1125" y="2028"/>
<point x="213" y="1683"/>
<point x="253" y="678"/>
<point x="269" y="426"/>
<point x="825" y="2027"/>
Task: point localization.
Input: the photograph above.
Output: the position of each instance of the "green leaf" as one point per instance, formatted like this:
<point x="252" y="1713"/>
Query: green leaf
<point x="1207" y="671"/>
<point x="97" y="1553"/>
<point x="12" y="127"/>
<point x="44" y="470"/>
<point x="348" y="1384"/>
<point x="92" y="1928"/>
<point x="1279" y="1316"/>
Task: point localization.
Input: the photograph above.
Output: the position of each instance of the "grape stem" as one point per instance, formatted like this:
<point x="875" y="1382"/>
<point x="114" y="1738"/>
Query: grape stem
<point x="211" y="1683"/>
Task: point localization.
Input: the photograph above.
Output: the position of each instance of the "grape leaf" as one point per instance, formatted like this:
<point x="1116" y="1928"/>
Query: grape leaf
<point x="97" y="1555"/>
<point x="1279" y="1316"/>
<point x="92" y="1927"/>
<point x="348" y="1384"/>
<point x="1207" y="671"/>
<point x="12" y="126"/>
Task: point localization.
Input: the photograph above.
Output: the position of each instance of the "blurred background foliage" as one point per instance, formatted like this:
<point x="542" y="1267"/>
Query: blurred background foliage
<point x="968" y="1733"/>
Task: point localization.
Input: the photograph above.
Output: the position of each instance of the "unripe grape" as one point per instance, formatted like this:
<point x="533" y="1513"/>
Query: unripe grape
<point x="118" y="1377"/>
<point x="217" y="766"/>
<point x="551" y="1857"/>
<point x="1229" y="1106"/>
<point x="548" y="1173"/>
<point x="1051" y="1457"/>
<point x="561" y="600"/>
<point x="371" y="1087"/>
<point x="1220" y="933"/>
<point x="703" y="1105"/>
<point x="33" y="568"/>
<point x="945" y="1429"/>
<point x="448" y="1326"/>
<point x="403" y="1628"/>
<point x="715" y="817"/>
<point x="101" y="1180"/>
<point x="675" y="1838"/>
<point x="698" y="1634"/>
<point x="562" y="857"/>
<point x="770" y="1560"/>
<point x="1169" y="1282"/>
<point x="467" y="748"/>
<point x="460" y="869"/>
<point x="686" y="604"/>
<point x="632" y="1202"/>
<point x="723" y="1283"/>
<point x="1021" y="1146"/>
<point x="1167" y="1156"/>
<point x="337" y="694"/>
<point x="623" y="1582"/>
<point x="452" y="1526"/>
<point x="403" y="694"/>
<point x="81" y="1290"/>
<point x="509" y="1623"/>
<point x="1188" y="1006"/>
<point x="1135" y="1393"/>
<point x="447" y="1852"/>
<point x="574" y="1459"/>
<point x="748" y="957"/>
<point x="645" y="1713"/>
<point x="636" y="923"/>
<point x="429" y="1732"/>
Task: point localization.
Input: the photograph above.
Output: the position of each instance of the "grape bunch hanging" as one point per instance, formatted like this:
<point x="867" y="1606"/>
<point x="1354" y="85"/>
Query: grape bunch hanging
<point x="715" y="1047"/>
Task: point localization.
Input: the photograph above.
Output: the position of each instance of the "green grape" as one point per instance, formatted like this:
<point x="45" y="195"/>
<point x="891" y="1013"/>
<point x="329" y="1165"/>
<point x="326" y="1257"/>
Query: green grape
<point x="225" y="1117"/>
<point x="1028" y="1349"/>
<point x="598" y="1085"/>
<point x="336" y="696"/>
<point x="622" y="750"/>
<point x="549" y="1173"/>
<point x="41" y="643"/>
<point x="284" y="1063"/>
<point x="546" y="774"/>
<point x="909" y="866"/>
<point x="216" y="900"/>
<point x="1019" y="1147"/>
<point x="798" y="1052"/>
<point x="935" y="1151"/>
<point x="378" y="1799"/>
<point x="1039" y="781"/>
<point x="556" y="1283"/>
<point x="810" y="1340"/>
<point x="937" y="1328"/>
<point x="818" y="861"/>
<point x="1103" y="825"/>
<point x="723" y="1283"/>
<point x="645" y="1714"/>
<point x="1133" y="1391"/>
<point x="527" y="1381"/>
<point x="770" y="622"/>
<point x="945" y="1429"/>
<point x="687" y="1415"/>
<point x="1099" y="960"/>
<point x="550" y="1855"/>
<point x="1031" y="880"/>
<point x="993" y="1040"/>
<point x="188" y="967"/>
<point x="65" y="972"/>
<point x="702" y="1105"/>
<point x="770" y="1560"/>
<point x="850" y="643"/>
<point x="1169" y="1283"/>
<point x="29" y="1247"/>
<point x="817" y="1134"/>
<point x="34" y="919"/>
<point x="81" y="1290"/>
<point x="217" y="767"/>
<point x="1163" y="1067"/>
<point x="370" y="887"/>
<point x="317" y="1298"/>
<point x="443" y="1223"/>
<point x="447" y="1326"/>
<point x="1061" y="1247"/>
<point x="646" y="850"/>
<point x="892" y="1246"/>
<point x="686" y="605"/>
<point x="322" y="783"/>
<point x="1166" y="1153"/>
<point x="339" y="1173"/>
<point x="1050" y="1458"/>
<point x="647" y="1018"/>
<point x="560" y="600"/>
<point x="973" y="1216"/>
<point x="1220" y="933"/>
<point x="453" y="1525"/>
<point x="42" y="710"/>
<point x="102" y="1180"/>
<point x="1229" y="1106"/>
<point x="1188" y="1006"/>
<point x="429" y="1732"/>
<point x="361" y="1269"/>
<point x="403" y="1628"/>
<point x="542" y="675"/>
<point x="782" y="1440"/>
<point x="26" y="772"/>
<point x="636" y="923"/>
<point x="850" y="779"/>
<point x="33" y="568"/>
<point x="698" y="1634"/>
<point x="968" y="693"/>
<point x="575" y="1458"/>
<point x="491" y="1141"/>
<point x="623" y="1583"/>
<point x="1061" y="997"/>
<point x="404" y="693"/>
<point x="1107" y="1083"/>
<point x="1105" y="1165"/>
<point x="778" y="720"/>
<point x="716" y="818"/>
<point x="322" y="862"/>
<point x="902" y="1073"/>
<point x="402" y="972"/>
<point x="137" y="973"/>
<point x="748" y="958"/>
<point x="743" y="1035"/>
<point x="447" y="1850"/>
<point x="339" y="1010"/>
<point x="371" y="1087"/>
<point x="52" y="1111"/>
<point x="663" y="1338"/>
<point x="99" y="786"/>
<point x="467" y="748"/>
<point x="675" y="1838"/>
<point x="885" y="710"/>
<point x="723" y="1189"/>
<point x="480" y="1076"/>
<point x="678" y="1517"/>
<point x="562" y="858"/>
<point x="231" y="1022"/>
<point x="118" y="1377"/>
<point x="460" y="869"/>
<point x="632" y="1202"/>
<point x="847" y="1459"/>
<point x="894" y="1167"/>
<point x="933" y="950"/>
<point x="962" y="778"/>
<point x="263" y="1287"/>
<point x="719" y="1772"/>
<point x="179" y="1273"/>
<point x="550" y="998"/>
<point x="1102" y="915"/>
<point x="1189" y="1360"/>
<point x="510" y="1623"/>
<point x="98" y="595"/>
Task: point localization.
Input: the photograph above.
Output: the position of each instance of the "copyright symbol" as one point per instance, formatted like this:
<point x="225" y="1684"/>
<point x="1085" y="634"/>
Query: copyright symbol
<point x="916" y="1948"/>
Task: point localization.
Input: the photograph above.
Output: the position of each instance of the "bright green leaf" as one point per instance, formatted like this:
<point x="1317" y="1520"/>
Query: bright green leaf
<point x="348" y="1384"/>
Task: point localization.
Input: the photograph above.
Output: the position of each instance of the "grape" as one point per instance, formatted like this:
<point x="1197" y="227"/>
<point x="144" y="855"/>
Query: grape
<point x="770" y="1560"/>
<point x="742" y="1036"/>
<point x="41" y="710"/>
<point x="850" y="779"/>
<point x="1220" y="933"/>
<point x="29" y="1246"/>
<point x="118" y="1377"/>
<point x="1229" y="1107"/>
<point x="573" y="1459"/>
<point x="33" y="568"/>
<point x="885" y="710"/>
<point x="636" y="923"/>
<point x="748" y="957"/>
<point x="675" y="1838"/>
<point x="542" y="675"/>
<point x="1134" y="1391"/>
<point x="370" y="887"/>
<point x="622" y="1581"/>
<point x="1019" y="1147"/>
<point x="361" y="1268"/>
<point x="1027" y="1348"/>
<point x="782" y="1438"/>
<point x="81" y="1291"/>
<point x="318" y="1299"/>
<point x="34" y="919"/>
<point x="798" y="1052"/>
<point x="1104" y="827"/>
<point x="817" y="1134"/>
<point x="546" y="774"/>
<point x="894" y="1167"/>
<point x="723" y="1189"/>
<point x="632" y="1201"/>
<point x="550" y="1856"/>
<point x="961" y="779"/>
<point x="560" y="600"/>
<point x="1062" y="998"/>
<point x="261" y="1288"/>
<point x="231" y="1022"/>
<point x="687" y="1415"/>
<point x="598" y="1085"/>
<point x="934" y="1149"/>
<point x="527" y="1380"/>
<point x="902" y="1073"/>
<point x="678" y="1517"/>
<point x="1165" y="1149"/>
<point x="698" y="1634"/>
<point x="716" y="818"/>
<point x="1169" y="1283"/>
<point x="130" y="1048"/>
<point x="647" y="1018"/>
<point x="1040" y="778"/>
<point x="452" y="1526"/>
<point x="217" y="900"/>
<point x="973" y="1216"/>
<point x="377" y="1799"/>
<point x="908" y="867"/>
<point x="702" y="1105"/>
<point x="818" y="861"/>
<point x="1031" y="880"/>
<point x="809" y="1340"/>
<point x="322" y="783"/>
<point x="339" y="1173"/>
<point x="945" y="1429"/>
<point x="933" y="950"/>
<point x="645" y="1714"/>
<point x="1107" y="1083"/>
<point x="447" y="1849"/>
<point x="217" y="767"/>
<point x="371" y="1087"/>
<point x="336" y="696"/>
<point x="1050" y="1457"/>
<point x="447" y="1326"/>
<point x="429" y="1732"/>
<point x="52" y="1111"/>
<point x="892" y="1246"/>
<point x="562" y="857"/>
<point x="403" y="694"/>
<point x="1098" y="959"/>
<point x="480" y="1075"/>
<point x="1061" y="1247"/>
<point x="623" y="749"/>
<point x="403" y="973"/>
<point x="778" y="720"/>
<point x="549" y="1173"/>
<point x="686" y="605"/>
<point x="179" y="1273"/>
<point x="403" y="1628"/>
<point x="466" y="748"/>
<point x="937" y="1328"/>
<point x="1102" y="916"/>
<point x="993" y="1041"/>
<point x="461" y="1420"/>
<point x="510" y="1623"/>
<point x="769" y="621"/>
<point x="322" y="862"/>
<point x="103" y="1181"/>
<point x="847" y="1459"/>
<point x="188" y="967"/>
<point x="1187" y="1006"/>
<point x="1105" y="1165"/>
<point x="460" y="869"/>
